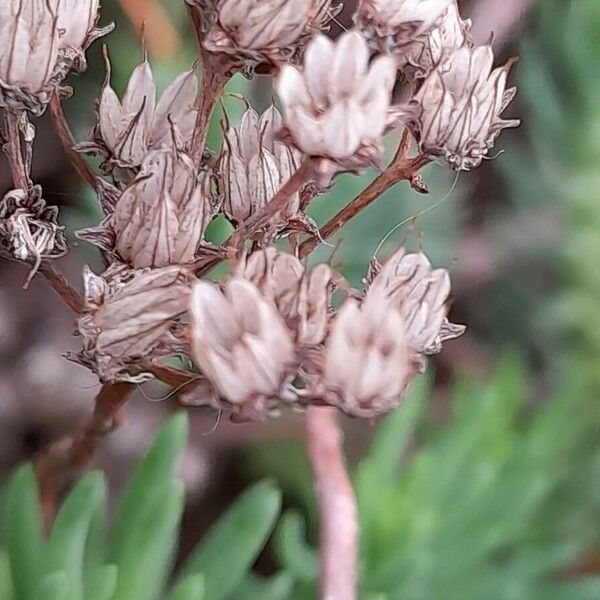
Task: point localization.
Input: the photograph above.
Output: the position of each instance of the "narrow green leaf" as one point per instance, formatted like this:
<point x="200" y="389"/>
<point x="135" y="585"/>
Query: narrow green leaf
<point x="277" y="587"/>
<point x="101" y="583"/>
<point x="190" y="588"/>
<point x="153" y="472"/>
<point x="292" y="550"/>
<point x="53" y="586"/>
<point x="234" y="542"/>
<point x="146" y="553"/>
<point x="24" y="537"/>
<point x="66" y="546"/>
<point x="6" y="587"/>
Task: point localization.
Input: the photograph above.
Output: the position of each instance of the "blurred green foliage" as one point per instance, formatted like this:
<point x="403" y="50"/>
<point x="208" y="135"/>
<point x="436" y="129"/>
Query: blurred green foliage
<point x="82" y="558"/>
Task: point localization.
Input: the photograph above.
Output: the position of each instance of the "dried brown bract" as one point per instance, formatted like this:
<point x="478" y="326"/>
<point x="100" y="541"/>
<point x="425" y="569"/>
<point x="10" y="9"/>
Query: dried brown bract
<point x="459" y="107"/>
<point x="160" y="218"/>
<point x="242" y="345"/>
<point x="132" y="316"/>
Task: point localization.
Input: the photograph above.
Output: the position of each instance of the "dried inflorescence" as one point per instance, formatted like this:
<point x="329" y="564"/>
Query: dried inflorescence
<point x="129" y="129"/>
<point x="254" y="164"/>
<point x="459" y="107"/>
<point x="338" y="107"/>
<point x="131" y="318"/>
<point x="270" y="333"/>
<point x="160" y="218"/>
<point x="261" y="30"/>
<point x="29" y="228"/>
<point x="41" y="41"/>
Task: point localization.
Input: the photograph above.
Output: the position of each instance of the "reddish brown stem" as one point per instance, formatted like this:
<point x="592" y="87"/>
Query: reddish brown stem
<point x="252" y="225"/>
<point x="11" y="147"/>
<point x="338" y="512"/>
<point x="68" y="141"/>
<point x="58" y="282"/>
<point x="400" y="169"/>
<point x="73" y="452"/>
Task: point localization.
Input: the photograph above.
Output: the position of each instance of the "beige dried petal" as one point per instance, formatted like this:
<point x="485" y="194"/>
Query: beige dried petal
<point x="129" y="318"/>
<point x="338" y="107"/>
<point x="368" y="364"/>
<point x="459" y="107"/>
<point x="419" y="293"/>
<point x="240" y="341"/>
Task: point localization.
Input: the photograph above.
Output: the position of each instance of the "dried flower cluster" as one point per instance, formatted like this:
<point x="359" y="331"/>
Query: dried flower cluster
<point x="270" y="334"/>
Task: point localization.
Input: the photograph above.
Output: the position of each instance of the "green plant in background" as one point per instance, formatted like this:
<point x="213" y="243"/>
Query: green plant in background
<point x="496" y="505"/>
<point x="562" y="91"/>
<point x="83" y="558"/>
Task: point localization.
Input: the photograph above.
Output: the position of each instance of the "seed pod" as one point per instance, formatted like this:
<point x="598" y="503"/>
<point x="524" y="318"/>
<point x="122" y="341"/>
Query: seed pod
<point x="338" y="107"/>
<point x="393" y="25"/>
<point x="160" y="218"/>
<point x="265" y="29"/>
<point x="367" y="363"/>
<point x="459" y="107"/>
<point x="241" y="344"/>
<point x="253" y="165"/>
<point x="127" y="130"/>
<point x="420" y="294"/>
<point x="131" y="318"/>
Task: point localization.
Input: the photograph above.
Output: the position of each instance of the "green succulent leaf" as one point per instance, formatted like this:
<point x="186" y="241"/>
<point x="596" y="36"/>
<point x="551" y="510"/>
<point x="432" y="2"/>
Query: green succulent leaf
<point x="190" y="588"/>
<point x="53" y="586"/>
<point x="292" y="550"/>
<point x="101" y="583"/>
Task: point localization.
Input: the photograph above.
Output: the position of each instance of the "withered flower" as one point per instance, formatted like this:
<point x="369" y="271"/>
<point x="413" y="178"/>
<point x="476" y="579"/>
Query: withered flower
<point x="265" y="29"/>
<point x="77" y="21"/>
<point x="29" y="229"/>
<point x="367" y="364"/>
<point x="338" y="107"/>
<point x="161" y="216"/>
<point x="242" y="345"/>
<point x="418" y="59"/>
<point x="127" y="130"/>
<point x="41" y="41"/>
<point x="303" y="298"/>
<point x="393" y="25"/>
<point x="420" y="294"/>
<point x="131" y="317"/>
<point x="254" y="164"/>
<point x="459" y="107"/>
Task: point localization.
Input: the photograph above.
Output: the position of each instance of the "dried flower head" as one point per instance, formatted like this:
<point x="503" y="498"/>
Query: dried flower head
<point x="29" y="229"/>
<point x="41" y="41"/>
<point x="393" y="25"/>
<point x="418" y="59"/>
<point x="77" y="21"/>
<point x="303" y="298"/>
<point x="265" y="29"/>
<point x="127" y="130"/>
<point x="131" y="316"/>
<point x="254" y="164"/>
<point x="420" y="294"/>
<point x="242" y="345"/>
<point x="459" y="107"/>
<point x="338" y="107"/>
<point x="367" y="364"/>
<point x="160" y="218"/>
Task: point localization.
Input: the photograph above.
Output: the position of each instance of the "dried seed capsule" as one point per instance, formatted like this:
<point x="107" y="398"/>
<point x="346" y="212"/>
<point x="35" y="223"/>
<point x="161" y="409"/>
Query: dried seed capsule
<point x="459" y="107"/>
<point x="337" y="109"/>
<point x="131" y="317"/>
<point x="242" y="345"/>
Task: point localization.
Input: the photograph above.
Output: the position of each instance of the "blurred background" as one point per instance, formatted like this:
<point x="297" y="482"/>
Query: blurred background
<point x="487" y="483"/>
